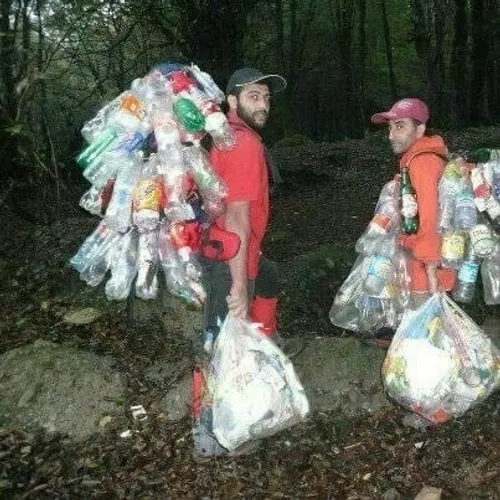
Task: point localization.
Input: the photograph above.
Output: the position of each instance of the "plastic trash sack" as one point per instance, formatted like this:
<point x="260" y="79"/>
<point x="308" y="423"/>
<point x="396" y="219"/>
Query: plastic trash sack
<point x="440" y="363"/>
<point x="255" y="390"/>
<point x="358" y="309"/>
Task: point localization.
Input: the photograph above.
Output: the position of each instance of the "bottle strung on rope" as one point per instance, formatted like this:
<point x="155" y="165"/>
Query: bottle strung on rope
<point x="409" y="207"/>
<point x="467" y="277"/>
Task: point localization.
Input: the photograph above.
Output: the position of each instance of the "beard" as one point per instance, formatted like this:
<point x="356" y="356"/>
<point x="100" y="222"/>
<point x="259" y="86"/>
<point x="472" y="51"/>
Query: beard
<point x="256" y="120"/>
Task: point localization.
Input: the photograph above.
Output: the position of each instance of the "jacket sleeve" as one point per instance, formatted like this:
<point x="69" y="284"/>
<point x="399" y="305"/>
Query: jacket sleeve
<point x="425" y="173"/>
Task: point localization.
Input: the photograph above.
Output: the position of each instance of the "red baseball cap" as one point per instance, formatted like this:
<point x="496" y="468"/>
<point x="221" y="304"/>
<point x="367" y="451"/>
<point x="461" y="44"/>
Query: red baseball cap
<point x="405" y="108"/>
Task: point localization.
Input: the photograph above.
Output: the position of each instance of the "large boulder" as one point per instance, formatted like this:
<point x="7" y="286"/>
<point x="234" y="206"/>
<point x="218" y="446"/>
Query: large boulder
<point x="59" y="388"/>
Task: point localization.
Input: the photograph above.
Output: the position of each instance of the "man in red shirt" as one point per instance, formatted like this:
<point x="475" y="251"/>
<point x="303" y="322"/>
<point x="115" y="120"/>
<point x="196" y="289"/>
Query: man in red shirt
<point x="247" y="285"/>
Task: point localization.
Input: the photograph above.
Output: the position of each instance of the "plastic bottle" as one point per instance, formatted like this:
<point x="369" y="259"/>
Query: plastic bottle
<point x="93" y="258"/>
<point x="123" y="267"/>
<point x="92" y="201"/>
<point x="452" y="250"/>
<point x="482" y="239"/>
<point x="490" y="273"/>
<point x="147" y="199"/>
<point x="496" y="179"/>
<point x="102" y="121"/>
<point x="209" y="184"/>
<point x="97" y="268"/>
<point x="481" y="188"/>
<point x="379" y="274"/>
<point x="119" y="212"/>
<point x="465" y="208"/>
<point x="90" y="157"/>
<point x="449" y="187"/>
<point x="378" y="236"/>
<point x="146" y="285"/>
<point x="467" y="276"/>
<point x="91" y="246"/>
<point x="208" y="85"/>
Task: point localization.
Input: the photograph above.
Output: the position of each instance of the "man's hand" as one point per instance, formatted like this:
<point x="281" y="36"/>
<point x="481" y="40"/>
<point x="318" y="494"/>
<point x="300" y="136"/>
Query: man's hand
<point x="237" y="302"/>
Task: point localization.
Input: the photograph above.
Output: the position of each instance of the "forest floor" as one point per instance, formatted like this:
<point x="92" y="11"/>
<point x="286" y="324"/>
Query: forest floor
<point x="328" y="456"/>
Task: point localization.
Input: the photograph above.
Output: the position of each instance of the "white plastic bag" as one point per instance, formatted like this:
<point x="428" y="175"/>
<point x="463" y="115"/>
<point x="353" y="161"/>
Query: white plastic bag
<point x="255" y="390"/>
<point x="440" y="363"/>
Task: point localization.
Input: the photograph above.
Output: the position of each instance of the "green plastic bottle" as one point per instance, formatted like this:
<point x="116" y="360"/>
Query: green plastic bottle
<point x="93" y="151"/>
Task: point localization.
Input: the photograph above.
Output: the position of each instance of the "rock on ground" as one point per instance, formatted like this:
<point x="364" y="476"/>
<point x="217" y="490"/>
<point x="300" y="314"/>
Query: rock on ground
<point x="58" y="388"/>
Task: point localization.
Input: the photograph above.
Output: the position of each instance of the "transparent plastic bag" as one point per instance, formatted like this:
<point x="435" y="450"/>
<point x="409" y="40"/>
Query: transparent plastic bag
<point x="255" y="390"/>
<point x="379" y="235"/>
<point x="356" y="309"/>
<point x="440" y="363"/>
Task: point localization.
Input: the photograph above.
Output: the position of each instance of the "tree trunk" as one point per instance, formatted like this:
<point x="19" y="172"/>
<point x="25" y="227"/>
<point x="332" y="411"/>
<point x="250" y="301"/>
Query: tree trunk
<point x="388" y="51"/>
<point x="460" y="63"/>
<point x="8" y="111"/>
<point x="479" y="56"/>
<point x="361" y="58"/>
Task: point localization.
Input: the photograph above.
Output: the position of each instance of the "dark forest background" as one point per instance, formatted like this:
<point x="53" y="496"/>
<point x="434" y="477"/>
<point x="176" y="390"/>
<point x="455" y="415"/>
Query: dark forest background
<point x="60" y="61"/>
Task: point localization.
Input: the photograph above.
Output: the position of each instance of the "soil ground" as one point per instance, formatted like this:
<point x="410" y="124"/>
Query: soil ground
<point x="329" y="456"/>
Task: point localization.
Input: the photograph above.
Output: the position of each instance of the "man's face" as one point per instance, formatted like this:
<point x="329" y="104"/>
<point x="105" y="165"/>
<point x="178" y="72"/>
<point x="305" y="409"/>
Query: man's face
<point x="252" y="105"/>
<point x="403" y="133"/>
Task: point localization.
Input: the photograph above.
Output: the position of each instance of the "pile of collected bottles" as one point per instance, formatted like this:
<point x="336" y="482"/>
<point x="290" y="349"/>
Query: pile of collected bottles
<point x="152" y="183"/>
<point x="376" y="292"/>
<point x="469" y="198"/>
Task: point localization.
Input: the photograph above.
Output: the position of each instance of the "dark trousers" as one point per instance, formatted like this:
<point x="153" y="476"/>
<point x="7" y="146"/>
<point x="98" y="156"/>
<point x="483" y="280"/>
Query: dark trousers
<point x="217" y="282"/>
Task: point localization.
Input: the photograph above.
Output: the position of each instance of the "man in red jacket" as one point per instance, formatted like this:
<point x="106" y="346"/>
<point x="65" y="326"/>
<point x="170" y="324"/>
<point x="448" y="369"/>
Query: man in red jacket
<point x="425" y="158"/>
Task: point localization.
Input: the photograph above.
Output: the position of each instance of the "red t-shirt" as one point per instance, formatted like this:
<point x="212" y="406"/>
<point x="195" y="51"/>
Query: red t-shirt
<point x="244" y="171"/>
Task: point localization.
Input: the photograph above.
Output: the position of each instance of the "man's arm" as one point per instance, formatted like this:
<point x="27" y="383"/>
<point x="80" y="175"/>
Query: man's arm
<point x="237" y="220"/>
<point x="425" y="174"/>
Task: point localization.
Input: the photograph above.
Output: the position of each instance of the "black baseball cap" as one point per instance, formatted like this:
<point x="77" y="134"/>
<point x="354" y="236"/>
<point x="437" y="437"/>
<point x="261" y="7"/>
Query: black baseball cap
<point x="246" y="76"/>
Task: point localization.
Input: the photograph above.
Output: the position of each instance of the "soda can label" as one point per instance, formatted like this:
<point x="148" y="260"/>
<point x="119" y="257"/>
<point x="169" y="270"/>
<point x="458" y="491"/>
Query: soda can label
<point x="453" y="246"/>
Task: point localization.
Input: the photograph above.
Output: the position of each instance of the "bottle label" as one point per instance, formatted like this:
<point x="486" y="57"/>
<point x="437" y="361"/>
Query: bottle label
<point x="381" y="223"/>
<point x="493" y="208"/>
<point x="133" y="106"/>
<point x="409" y="207"/>
<point x="147" y="195"/>
<point x="468" y="272"/>
<point x="453" y="246"/>
<point x="481" y="239"/>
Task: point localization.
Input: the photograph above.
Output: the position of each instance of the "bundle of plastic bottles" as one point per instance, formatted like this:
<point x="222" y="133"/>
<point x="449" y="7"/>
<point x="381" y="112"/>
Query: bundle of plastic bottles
<point x="377" y="290"/>
<point x="469" y="197"/>
<point x="152" y="183"/>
